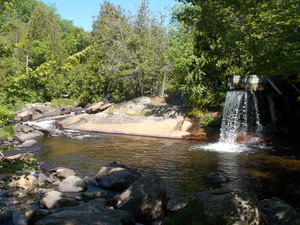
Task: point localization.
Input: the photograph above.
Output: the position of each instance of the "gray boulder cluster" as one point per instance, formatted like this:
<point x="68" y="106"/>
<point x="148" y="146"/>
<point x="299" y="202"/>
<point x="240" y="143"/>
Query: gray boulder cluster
<point x="117" y="195"/>
<point x="28" y="131"/>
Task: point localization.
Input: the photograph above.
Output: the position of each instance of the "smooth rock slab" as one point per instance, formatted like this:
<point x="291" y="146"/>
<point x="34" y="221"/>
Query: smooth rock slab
<point x="146" y="199"/>
<point x="116" y="177"/>
<point x="72" y="184"/>
<point x="27" y="136"/>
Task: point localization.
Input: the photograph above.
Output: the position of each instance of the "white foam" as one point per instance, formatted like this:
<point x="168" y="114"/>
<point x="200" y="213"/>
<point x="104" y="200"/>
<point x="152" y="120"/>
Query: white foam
<point x="223" y="147"/>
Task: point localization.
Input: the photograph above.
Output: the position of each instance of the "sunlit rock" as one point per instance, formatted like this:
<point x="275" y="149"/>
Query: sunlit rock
<point x="26" y="182"/>
<point x="72" y="184"/>
<point x="50" y="198"/>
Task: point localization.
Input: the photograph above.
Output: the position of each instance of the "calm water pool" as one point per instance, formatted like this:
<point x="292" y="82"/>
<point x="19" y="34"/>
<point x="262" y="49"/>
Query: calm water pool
<point x="257" y="172"/>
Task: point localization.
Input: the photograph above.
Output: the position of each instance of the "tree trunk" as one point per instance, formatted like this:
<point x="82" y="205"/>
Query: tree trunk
<point x="27" y="65"/>
<point x="162" y="90"/>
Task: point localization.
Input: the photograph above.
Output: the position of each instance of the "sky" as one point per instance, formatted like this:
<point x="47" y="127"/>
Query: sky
<point x="81" y="12"/>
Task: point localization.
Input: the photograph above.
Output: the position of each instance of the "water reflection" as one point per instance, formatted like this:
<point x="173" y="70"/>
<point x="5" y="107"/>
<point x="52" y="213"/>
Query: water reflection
<point x="259" y="173"/>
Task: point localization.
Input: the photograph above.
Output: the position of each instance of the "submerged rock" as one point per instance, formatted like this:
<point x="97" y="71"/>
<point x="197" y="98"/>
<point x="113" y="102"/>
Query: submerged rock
<point x="215" y="178"/>
<point x="116" y="177"/>
<point x="146" y="199"/>
<point x="277" y="212"/>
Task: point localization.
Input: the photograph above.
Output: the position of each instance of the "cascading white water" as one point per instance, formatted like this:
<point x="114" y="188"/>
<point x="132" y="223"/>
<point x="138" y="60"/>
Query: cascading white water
<point x="234" y="116"/>
<point x="240" y="118"/>
<point x="259" y="126"/>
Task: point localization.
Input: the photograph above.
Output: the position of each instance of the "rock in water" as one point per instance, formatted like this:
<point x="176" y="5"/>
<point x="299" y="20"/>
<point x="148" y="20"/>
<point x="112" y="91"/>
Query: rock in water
<point x="277" y="212"/>
<point x="146" y="199"/>
<point x="72" y="184"/>
<point x="50" y="199"/>
<point x="63" y="173"/>
<point x="116" y="177"/>
<point x="228" y="205"/>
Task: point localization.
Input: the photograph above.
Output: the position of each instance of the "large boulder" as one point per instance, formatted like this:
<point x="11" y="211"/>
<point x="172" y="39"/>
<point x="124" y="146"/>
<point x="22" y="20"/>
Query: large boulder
<point x="72" y="184"/>
<point x="63" y="173"/>
<point x="227" y="204"/>
<point x="146" y="199"/>
<point x="92" y="212"/>
<point x="50" y="199"/>
<point x="116" y="177"/>
<point x="277" y="212"/>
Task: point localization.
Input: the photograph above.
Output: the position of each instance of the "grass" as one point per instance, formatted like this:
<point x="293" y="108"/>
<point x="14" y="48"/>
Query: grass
<point x="7" y="132"/>
<point x="63" y="101"/>
<point x="193" y="215"/>
<point x="142" y="113"/>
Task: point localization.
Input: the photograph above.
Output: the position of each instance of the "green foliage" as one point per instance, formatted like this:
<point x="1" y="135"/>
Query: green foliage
<point x="193" y="215"/>
<point x="7" y="168"/>
<point x="5" y="116"/>
<point x="7" y="132"/>
<point x="209" y="120"/>
<point x="63" y="102"/>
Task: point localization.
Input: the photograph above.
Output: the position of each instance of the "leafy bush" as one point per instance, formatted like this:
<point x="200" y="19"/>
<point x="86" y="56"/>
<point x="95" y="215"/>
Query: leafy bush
<point x="5" y="116"/>
<point x="7" y="132"/>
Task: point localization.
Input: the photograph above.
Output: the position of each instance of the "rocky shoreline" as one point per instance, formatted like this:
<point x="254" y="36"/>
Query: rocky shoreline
<point x="138" y="117"/>
<point x="119" y="195"/>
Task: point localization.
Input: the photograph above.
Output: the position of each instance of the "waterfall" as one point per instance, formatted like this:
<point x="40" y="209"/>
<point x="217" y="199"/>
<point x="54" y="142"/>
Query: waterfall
<point x="241" y="118"/>
<point x="241" y="123"/>
<point x="234" y="116"/>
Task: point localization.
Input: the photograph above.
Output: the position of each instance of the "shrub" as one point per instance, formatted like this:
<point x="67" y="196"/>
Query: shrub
<point x="7" y="132"/>
<point x="63" y="101"/>
<point x="5" y="116"/>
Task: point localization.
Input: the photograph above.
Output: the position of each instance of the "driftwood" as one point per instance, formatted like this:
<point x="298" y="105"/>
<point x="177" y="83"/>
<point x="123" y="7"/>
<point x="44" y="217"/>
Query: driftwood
<point x="100" y="106"/>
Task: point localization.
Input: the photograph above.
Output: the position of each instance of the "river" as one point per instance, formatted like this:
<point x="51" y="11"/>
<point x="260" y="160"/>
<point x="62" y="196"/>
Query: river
<point x="258" y="172"/>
